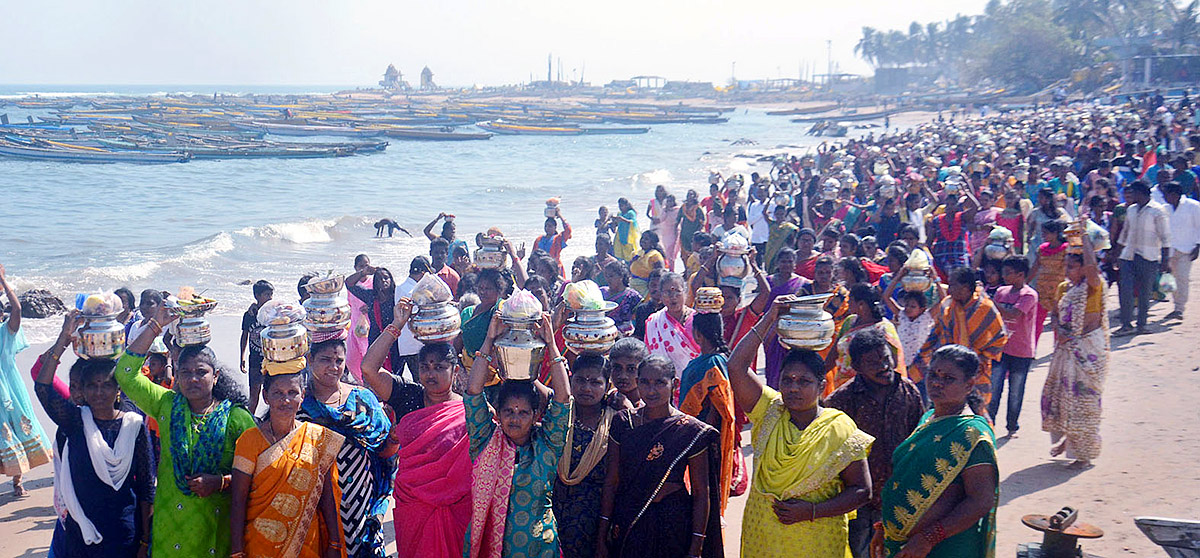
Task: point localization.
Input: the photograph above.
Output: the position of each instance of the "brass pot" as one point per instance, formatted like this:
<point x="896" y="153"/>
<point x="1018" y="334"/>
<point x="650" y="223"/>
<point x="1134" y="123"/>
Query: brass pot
<point x="591" y="331"/>
<point x="284" y="342"/>
<point x="709" y="300"/>
<point x="520" y="350"/>
<point x="100" y="337"/>
<point x="435" y="323"/>
<point x="806" y="324"/>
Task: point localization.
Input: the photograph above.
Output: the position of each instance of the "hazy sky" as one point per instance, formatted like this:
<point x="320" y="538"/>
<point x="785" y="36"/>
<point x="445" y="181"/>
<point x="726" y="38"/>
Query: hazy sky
<point x="350" y="42"/>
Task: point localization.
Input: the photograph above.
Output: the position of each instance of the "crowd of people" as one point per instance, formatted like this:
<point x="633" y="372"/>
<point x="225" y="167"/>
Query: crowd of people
<point x="943" y="253"/>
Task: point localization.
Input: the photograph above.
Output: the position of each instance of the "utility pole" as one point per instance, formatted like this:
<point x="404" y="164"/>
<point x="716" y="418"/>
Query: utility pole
<point x="549" y="64"/>
<point x="829" y="54"/>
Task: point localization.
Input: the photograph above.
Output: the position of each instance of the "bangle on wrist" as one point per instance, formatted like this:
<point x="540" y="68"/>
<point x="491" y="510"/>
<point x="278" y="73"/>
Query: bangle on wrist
<point x="393" y="330"/>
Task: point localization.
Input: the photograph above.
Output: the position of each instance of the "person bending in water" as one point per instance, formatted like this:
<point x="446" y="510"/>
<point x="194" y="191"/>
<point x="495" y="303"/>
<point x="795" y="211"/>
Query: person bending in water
<point x="391" y="227"/>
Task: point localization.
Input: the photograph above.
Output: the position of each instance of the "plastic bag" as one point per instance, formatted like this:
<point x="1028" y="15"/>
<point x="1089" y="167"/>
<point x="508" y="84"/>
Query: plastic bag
<point x="584" y="295"/>
<point x="279" y="312"/>
<point x="1099" y="236"/>
<point x="917" y="260"/>
<point x="99" y="304"/>
<point x="522" y="306"/>
<point x="735" y="242"/>
<point x="1166" y="283"/>
<point x="431" y="289"/>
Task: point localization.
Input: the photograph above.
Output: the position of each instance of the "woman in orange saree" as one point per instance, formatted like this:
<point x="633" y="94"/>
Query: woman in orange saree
<point x="285" y="497"/>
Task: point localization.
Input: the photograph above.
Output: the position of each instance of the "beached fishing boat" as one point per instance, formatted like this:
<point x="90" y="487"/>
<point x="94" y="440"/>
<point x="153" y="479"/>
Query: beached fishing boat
<point x="91" y="155"/>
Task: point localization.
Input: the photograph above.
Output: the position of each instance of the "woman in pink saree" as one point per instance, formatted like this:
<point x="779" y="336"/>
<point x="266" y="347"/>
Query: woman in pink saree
<point x="360" y="326"/>
<point x="433" y="466"/>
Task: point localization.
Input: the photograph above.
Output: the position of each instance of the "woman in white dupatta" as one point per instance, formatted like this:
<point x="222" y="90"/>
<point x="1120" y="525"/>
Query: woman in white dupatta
<point x="106" y="472"/>
<point x="669" y="331"/>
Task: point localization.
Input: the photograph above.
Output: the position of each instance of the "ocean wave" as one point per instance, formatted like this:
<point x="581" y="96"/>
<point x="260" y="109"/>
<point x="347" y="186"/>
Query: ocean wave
<point x="314" y="231"/>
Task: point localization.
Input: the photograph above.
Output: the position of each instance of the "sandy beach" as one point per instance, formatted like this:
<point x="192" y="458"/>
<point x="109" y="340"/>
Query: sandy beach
<point x="1145" y="468"/>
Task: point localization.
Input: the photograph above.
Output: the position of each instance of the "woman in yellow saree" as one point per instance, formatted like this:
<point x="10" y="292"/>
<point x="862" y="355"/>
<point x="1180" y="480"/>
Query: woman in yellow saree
<point x="285" y="497"/>
<point x="810" y="462"/>
<point x="941" y="499"/>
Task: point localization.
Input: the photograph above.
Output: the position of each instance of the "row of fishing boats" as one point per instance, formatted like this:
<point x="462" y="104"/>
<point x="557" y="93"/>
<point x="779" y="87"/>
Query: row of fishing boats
<point x="177" y="129"/>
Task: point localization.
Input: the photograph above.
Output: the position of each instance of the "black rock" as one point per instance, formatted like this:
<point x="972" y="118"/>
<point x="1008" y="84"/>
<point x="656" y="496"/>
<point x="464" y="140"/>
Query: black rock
<point x="39" y="303"/>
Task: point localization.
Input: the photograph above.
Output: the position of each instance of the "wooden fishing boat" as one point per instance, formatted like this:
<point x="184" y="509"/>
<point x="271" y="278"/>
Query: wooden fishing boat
<point x="853" y="117"/>
<point x="90" y="155"/>
<point x="807" y="110"/>
<point x="308" y="130"/>
<point x="432" y="134"/>
<point x="620" y="130"/>
<point x="529" y="130"/>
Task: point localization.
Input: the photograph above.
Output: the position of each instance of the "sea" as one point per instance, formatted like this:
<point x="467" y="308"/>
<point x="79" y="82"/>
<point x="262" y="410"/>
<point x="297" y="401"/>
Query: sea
<point x="219" y="225"/>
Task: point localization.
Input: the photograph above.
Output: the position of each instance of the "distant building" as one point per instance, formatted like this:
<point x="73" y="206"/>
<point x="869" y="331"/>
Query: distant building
<point x="393" y="80"/>
<point x="427" y="83"/>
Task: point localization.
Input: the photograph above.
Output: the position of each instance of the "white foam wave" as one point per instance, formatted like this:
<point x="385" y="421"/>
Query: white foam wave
<point x="304" y="232"/>
<point x="205" y="249"/>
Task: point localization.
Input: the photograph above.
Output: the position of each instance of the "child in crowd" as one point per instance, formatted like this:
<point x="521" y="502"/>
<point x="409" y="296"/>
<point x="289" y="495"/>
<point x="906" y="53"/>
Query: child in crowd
<point x="252" y="359"/>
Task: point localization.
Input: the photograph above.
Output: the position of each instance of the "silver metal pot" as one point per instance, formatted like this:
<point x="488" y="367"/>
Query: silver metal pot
<point x="193" y="331"/>
<point x="591" y="331"/>
<point x="282" y="343"/>
<point x="193" y="328"/>
<point x="332" y="284"/>
<point x="806" y="324"/>
<point x="435" y="323"/>
<point x="520" y="350"/>
<point x="491" y="254"/>
<point x="732" y="269"/>
<point x="326" y="311"/>
<point x="100" y="337"/>
<point x="916" y="282"/>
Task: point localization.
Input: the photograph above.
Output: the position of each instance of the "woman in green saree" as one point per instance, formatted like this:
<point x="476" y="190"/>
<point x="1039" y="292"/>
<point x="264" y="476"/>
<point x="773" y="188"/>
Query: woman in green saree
<point x="941" y="499"/>
<point x="491" y="286"/>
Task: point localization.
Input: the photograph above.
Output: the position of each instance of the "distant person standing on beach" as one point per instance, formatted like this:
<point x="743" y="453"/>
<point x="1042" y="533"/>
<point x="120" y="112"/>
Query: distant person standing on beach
<point x="23" y="444"/>
<point x="628" y="236"/>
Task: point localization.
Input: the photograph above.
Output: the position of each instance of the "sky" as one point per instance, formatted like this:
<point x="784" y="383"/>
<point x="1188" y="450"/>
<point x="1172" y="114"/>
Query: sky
<point x="464" y="42"/>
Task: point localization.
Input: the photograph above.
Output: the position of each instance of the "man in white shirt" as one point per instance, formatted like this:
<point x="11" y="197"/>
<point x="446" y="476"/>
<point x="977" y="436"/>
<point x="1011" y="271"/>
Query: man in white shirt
<point x="407" y="345"/>
<point x="1144" y="248"/>
<point x="756" y="217"/>
<point x="1185" y="241"/>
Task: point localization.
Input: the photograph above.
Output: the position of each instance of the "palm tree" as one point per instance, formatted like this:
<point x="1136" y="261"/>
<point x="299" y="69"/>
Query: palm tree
<point x="867" y="47"/>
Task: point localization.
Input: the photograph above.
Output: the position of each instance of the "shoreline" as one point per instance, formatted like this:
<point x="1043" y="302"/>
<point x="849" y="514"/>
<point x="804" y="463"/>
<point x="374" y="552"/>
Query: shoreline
<point x="1136" y="475"/>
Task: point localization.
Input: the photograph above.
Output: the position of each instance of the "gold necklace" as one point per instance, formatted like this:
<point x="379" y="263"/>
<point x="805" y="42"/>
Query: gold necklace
<point x="198" y="419"/>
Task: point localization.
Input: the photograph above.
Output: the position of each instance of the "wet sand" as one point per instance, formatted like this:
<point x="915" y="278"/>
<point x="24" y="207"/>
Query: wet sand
<point x="1147" y="467"/>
